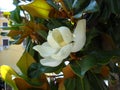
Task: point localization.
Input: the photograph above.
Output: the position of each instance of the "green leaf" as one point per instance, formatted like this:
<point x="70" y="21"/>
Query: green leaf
<point x="14" y="27"/>
<point x="90" y="36"/>
<point x="96" y="82"/>
<point x="78" y="5"/>
<point x="42" y="33"/>
<point x="15" y="15"/>
<point x="77" y="83"/>
<point x="36" y="69"/>
<point x="82" y="66"/>
<point x="53" y="4"/>
<point x="87" y="63"/>
<point x="54" y="23"/>
<point x="82" y="84"/>
<point x="90" y="82"/>
<point x="103" y="57"/>
<point x="107" y="8"/>
<point x="68" y="4"/>
<point x="114" y="6"/>
<point x="70" y="84"/>
<point x="87" y="85"/>
<point x="92" y="7"/>
<point x="25" y="61"/>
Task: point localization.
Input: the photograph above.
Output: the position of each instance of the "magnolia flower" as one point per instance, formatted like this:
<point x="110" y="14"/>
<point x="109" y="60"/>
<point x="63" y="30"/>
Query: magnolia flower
<point x="60" y="43"/>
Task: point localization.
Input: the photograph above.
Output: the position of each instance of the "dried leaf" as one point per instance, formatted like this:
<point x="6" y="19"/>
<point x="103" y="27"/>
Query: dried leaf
<point x="61" y="84"/>
<point x="23" y="85"/>
<point x="105" y="71"/>
<point x="67" y="71"/>
<point x="13" y="33"/>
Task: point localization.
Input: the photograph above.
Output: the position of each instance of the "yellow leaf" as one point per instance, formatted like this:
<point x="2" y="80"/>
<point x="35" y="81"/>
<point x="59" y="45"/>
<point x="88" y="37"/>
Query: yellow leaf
<point x="38" y="8"/>
<point x="8" y="74"/>
<point x="25" y="61"/>
<point x="6" y="13"/>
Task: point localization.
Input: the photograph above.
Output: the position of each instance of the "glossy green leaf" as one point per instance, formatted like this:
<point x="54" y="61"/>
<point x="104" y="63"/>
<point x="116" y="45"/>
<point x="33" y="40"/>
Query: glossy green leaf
<point x="103" y="57"/>
<point x="114" y="6"/>
<point x="77" y="83"/>
<point x="96" y="82"/>
<point x="15" y="15"/>
<point x="80" y="4"/>
<point x="25" y="61"/>
<point x="107" y="8"/>
<point x="36" y="69"/>
<point x="53" y="4"/>
<point x="90" y="36"/>
<point x="92" y="7"/>
<point x="94" y="58"/>
<point x="87" y="85"/>
<point x="82" y="84"/>
<point x="68" y="4"/>
<point x="42" y="33"/>
<point x="82" y="66"/>
<point x="70" y="84"/>
<point x="54" y="23"/>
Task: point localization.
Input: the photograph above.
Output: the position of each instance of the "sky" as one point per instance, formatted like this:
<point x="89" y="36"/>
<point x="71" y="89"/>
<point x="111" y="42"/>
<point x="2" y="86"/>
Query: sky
<point x="6" y="5"/>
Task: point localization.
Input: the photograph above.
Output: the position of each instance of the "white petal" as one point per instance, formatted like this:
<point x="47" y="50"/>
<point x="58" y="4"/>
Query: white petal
<point x="66" y="34"/>
<point x="63" y="53"/>
<point x="45" y="49"/>
<point x="80" y="35"/>
<point x="51" y="41"/>
<point x="50" y="62"/>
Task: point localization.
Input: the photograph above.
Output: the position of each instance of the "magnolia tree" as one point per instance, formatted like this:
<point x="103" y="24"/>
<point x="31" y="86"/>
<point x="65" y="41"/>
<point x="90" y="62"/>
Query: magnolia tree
<point x="70" y="45"/>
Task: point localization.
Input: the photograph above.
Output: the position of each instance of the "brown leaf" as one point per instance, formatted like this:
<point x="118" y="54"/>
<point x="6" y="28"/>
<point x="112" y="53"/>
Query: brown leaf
<point x="13" y="33"/>
<point x="67" y="71"/>
<point x="23" y="85"/>
<point x="105" y="71"/>
<point x="61" y="84"/>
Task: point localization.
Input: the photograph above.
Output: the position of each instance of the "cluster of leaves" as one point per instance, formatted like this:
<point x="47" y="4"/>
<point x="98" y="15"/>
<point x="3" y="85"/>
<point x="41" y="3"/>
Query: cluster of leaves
<point x="98" y="58"/>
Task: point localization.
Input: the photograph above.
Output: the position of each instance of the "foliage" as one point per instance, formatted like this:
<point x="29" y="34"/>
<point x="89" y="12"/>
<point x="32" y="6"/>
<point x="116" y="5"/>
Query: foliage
<point x="97" y="61"/>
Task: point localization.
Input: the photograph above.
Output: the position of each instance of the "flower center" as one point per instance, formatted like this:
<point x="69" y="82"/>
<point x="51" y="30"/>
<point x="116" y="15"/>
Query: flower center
<point x="58" y="38"/>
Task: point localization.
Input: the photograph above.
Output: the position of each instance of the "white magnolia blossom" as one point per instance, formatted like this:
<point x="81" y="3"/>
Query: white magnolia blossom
<point x="60" y="43"/>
